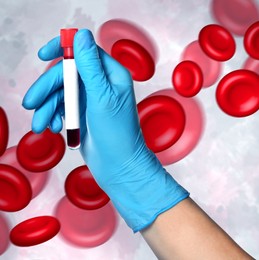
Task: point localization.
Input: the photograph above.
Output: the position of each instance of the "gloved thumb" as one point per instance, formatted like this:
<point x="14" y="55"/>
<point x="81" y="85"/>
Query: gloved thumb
<point x="89" y="64"/>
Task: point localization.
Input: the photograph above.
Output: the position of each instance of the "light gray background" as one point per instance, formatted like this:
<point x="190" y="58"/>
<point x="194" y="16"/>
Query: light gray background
<point x="222" y="173"/>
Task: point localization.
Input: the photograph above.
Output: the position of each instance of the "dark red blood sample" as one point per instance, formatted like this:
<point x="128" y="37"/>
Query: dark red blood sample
<point x="238" y="93"/>
<point x="251" y="40"/>
<point x="37" y="180"/>
<point x="162" y="121"/>
<point x="40" y="152"/>
<point x="235" y="15"/>
<point x="187" y="78"/>
<point x="15" y="189"/>
<point x="4" y="131"/>
<point x="4" y="234"/>
<point x="210" y="68"/>
<point x="83" y="191"/>
<point x="86" y="228"/>
<point x="34" y="231"/>
<point x="118" y="29"/>
<point x="135" y="58"/>
<point x="217" y="42"/>
<point x="73" y="138"/>
<point x="194" y="125"/>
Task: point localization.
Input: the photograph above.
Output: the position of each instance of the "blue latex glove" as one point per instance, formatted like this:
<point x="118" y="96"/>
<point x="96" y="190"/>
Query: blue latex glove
<point x="112" y="143"/>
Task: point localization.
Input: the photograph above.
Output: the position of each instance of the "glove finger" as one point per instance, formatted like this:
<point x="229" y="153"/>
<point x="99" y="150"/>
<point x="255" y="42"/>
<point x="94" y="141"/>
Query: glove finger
<point x="46" y="84"/>
<point x="43" y="115"/>
<point x="82" y="107"/>
<point x="117" y="74"/>
<point x="90" y="67"/>
<point x="56" y="123"/>
<point x="51" y="50"/>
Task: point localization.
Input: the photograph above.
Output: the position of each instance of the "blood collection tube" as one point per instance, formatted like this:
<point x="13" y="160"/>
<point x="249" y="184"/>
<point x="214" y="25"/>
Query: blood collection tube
<point x="71" y="88"/>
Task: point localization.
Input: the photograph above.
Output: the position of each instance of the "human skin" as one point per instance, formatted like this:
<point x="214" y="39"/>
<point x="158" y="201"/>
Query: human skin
<point x="187" y="232"/>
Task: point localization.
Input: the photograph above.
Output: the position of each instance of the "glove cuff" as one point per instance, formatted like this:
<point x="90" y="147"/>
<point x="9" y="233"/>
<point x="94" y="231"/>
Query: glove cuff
<point x="149" y="191"/>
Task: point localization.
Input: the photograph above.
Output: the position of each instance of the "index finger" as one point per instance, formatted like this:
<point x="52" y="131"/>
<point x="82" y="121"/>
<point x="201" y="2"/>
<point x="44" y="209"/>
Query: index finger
<point x="51" y="50"/>
<point x="43" y="87"/>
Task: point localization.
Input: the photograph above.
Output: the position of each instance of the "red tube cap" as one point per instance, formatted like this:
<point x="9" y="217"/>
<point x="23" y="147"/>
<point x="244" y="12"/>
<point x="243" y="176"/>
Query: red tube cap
<point x="67" y="37"/>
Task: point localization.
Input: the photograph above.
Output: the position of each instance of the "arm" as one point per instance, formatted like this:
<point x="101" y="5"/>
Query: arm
<point x="139" y="187"/>
<point x="187" y="232"/>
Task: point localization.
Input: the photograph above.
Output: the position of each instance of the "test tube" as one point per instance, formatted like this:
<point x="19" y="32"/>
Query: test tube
<point x="71" y="88"/>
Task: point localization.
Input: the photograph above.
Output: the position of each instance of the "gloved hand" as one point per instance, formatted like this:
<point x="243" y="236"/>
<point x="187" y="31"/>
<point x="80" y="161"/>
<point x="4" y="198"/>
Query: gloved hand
<point x="112" y="143"/>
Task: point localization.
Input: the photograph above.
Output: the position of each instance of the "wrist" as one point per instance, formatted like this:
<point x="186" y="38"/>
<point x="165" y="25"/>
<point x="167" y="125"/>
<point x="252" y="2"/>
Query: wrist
<point x="147" y="191"/>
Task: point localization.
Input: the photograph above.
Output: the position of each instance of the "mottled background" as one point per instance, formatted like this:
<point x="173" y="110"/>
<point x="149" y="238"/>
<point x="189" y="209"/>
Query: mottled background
<point x="221" y="173"/>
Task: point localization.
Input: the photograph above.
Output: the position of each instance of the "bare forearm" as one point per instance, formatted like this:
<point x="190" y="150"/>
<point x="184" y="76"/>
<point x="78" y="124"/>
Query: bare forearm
<point x="186" y="232"/>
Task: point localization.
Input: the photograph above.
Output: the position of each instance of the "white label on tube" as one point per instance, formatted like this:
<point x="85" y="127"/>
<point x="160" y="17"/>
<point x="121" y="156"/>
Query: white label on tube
<point x="71" y="94"/>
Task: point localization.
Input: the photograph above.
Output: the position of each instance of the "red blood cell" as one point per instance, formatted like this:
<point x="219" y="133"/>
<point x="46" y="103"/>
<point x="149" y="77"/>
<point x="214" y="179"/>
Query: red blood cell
<point x="251" y="40"/>
<point x="162" y="121"/>
<point x="15" y="189"/>
<point x="83" y="191"/>
<point x="187" y="78"/>
<point x="135" y="58"/>
<point x="194" y="124"/>
<point x="118" y="29"/>
<point x="4" y="131"/>
<point x="4" y="234"/>
<point x="53" y="63"/>
<point x="40" y="152"/>
<point x="235" y="15"/>
<point x="37" y="180"/>
<point x="217" y="42"/>
<point x="210" y="68"/>
<point x="34" y="231"/>
<point x="85" y="228"/>
<point x="251" y="64"/>
<point x="238" y="93"/>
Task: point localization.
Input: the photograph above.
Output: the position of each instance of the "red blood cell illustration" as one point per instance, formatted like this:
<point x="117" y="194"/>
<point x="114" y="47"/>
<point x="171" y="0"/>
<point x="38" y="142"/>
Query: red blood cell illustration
<point x="85" y="228"/>
<point x="194" y="125"/>
<point x="162" y="121"/>
<point x="210" y="68"/>
<point x="217" y="42"/>
<point x="34" y="231"/>
<point x="235" y="15"/>
<point x="251" y="40"/>
<point x="15" y="189"/>
<point x="40" y="152"/>
<point x="53" y="63"/>
<point x="37" y="180"/>
<point x="83" y="191"/>
<point x="187" y="78"/>
<point x="4" y="131"/>
<point x="238" y="93"/>
<point x="118" y="29"/>
<point x="135" y="58"/>
<point x="251" y="64"/>
<point x="4" y="234"/>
